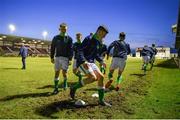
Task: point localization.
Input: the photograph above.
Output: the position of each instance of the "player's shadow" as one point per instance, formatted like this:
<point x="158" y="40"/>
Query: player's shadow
<point x="49" y="109"/>
<point x="138" y="75"/>
<point x="11" y="68"/>
<point x="59" y="86"/>
<point x="167" y="64"/>
<point x="46" y="86"/>
<point x="33" y="95"/>
<point x="96" y="89"/>
<point x="91" y="89"/>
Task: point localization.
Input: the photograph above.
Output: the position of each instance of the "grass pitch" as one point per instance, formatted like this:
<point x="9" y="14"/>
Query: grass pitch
<point x="27" y="93"/>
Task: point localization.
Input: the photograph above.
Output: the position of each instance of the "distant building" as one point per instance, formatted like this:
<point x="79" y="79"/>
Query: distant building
<point x="138" y="51"/>
<point x="163" y="52"/>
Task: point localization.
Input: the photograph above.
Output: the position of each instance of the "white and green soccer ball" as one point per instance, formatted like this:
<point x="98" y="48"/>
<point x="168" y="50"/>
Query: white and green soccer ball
<point x="95" y="95"/>
<point x="80" y="103"/>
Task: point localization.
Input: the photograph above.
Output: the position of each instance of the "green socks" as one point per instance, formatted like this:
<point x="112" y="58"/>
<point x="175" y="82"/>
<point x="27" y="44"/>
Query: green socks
<point x="119" y="80"/>
<point x="101" y="94"/>
<point x="145" y="65"/>
<point x="78" y="74"/>
<point x="77" y="85"/>
<point x="56" y="81"/>
<point x="102" y="69"/>
<point x="110" y="76"/>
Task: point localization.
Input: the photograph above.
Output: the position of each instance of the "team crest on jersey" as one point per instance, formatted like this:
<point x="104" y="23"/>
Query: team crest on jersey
<point x="98" y="46"/>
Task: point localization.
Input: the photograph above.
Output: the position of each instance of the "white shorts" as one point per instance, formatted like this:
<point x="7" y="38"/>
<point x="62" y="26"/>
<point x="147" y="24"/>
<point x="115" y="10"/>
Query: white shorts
<point x="89" y="69"/>
<point x="61" y="63"/>
<point x="118" y="63"/>
<point x="146" y="59"/>
<point x="74" y="64"/>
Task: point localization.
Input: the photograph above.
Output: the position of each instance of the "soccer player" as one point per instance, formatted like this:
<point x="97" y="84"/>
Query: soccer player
<point x="76" y="47"/>
<point x="120" y="52"/>
<point x="152" y="59"/>
<point x="61" y="55"/>
<point x="86" y="55"/>
<point x="23" y="52"/>
<point x="146" y="54"/>
<point x="102" y="53"/>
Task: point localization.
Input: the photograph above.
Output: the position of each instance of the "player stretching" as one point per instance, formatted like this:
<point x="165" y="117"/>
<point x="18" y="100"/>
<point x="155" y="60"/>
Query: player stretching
<point x="85" y="63"/>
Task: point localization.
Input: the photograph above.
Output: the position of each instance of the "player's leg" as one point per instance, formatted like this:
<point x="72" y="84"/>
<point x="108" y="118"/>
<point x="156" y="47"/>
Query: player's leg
<point x="65" y="64"/>
<point x="143" y="59"/>
<point x="102" y="69"/>
<point x="76" y="71"/>
<point x="114" y="65"/>
<point x="56" y="76"/>
<point x="146" y="61"/>
<point x="122" y="65"/>
<point x="110" y="78"/>
<point x="64" y="73"/>
<point x="101" y="88"/>
<point x="23" y="63"/>
<point x="152" y="62"/>
<point x="119" y="79"/>
<point x="56" y="81"/>
<point x="90" y="77"/>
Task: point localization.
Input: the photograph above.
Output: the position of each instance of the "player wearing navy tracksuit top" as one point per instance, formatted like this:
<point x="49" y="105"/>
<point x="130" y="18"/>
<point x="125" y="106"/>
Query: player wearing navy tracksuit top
<point x="153" y="48"/>
<point x="120" y="52"/>
<point x="76" y="47"/>
<point x="86" y="56"/>
<point x="61" y="55"/>
<point x="146" y="54"/>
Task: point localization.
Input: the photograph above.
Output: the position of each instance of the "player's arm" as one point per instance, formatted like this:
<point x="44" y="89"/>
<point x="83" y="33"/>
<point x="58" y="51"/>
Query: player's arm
<point x="100" y="60"/>
<point x="52" y="50"/>
<point x="109" y="49"/>
<point x="74" y="47"/>
<point x="151" y="53"/>
<point x="129" y="49"/>
<point x="84" y="43"/>
<point x="105" y="50"/>
<point x="70" y="52"/>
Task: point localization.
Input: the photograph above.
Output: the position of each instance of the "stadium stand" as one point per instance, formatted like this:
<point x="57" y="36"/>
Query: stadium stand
<point x="10" y="45"/>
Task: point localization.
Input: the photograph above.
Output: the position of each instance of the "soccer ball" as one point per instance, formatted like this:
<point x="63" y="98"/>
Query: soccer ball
<point x="95" y="95"/>
<point x="80" y="103"/>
